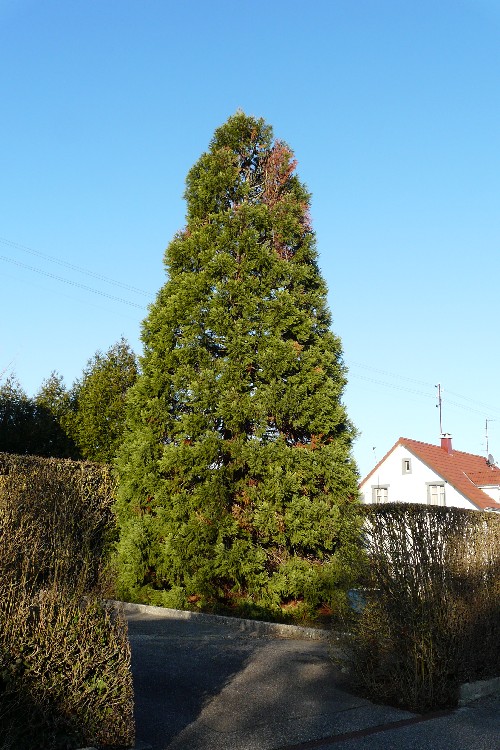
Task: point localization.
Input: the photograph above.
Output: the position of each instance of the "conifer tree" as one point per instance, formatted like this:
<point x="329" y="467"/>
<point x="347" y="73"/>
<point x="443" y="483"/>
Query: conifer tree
<point x="17" y="418"/>
<point x="96" y="418"/>
<point x="34" y="425"/>
<point x="237" y="480"/>
<point x="52" y="409"/>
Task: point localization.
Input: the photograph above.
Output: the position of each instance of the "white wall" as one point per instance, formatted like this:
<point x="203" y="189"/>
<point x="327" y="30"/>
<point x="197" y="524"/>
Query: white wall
<point x="412" y="487"/>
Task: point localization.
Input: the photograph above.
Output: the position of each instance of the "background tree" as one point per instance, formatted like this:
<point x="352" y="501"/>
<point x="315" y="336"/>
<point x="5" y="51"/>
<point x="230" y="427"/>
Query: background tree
<point x="17" y="418"/>
<point x="96" y="417"/>
<point x="34" y="426"/>
<point x="237" y="481"/>
<point x="52" y="409"/>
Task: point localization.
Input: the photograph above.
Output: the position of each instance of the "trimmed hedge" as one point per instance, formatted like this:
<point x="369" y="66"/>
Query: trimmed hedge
<point x="431" y="614"/>
<point x="65" y="678"/>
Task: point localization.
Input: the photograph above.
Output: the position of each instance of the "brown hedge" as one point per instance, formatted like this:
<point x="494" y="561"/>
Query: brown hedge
<point x="65" y="508"/>
<point x="65" y="676"/>
<point x="431" y="619"/>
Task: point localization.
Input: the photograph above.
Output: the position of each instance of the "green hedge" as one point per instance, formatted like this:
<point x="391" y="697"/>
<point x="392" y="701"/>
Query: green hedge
<point x="65" y="678"/>
<point x="431" y="619"/>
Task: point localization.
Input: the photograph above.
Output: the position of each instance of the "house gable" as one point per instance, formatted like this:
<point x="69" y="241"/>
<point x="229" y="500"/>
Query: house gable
<point x="413" y="471"/>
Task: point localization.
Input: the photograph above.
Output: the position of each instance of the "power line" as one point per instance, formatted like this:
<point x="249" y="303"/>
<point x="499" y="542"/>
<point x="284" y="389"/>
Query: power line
<point x="72" y="283"/>
<point x="73" y="267"/>
<point x="473" y="401"/>
<point x="7" y="367"/>
<point x="470" y="408"/>
<point x="413" y="391"/>
<point x="392" y="374"/>
<point x="131" y="288"/>
<point x="391" y="385"/>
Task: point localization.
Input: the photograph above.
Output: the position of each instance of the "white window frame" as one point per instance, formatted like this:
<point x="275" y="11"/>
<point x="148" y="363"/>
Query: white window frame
<point x="406" y="465"/>
<point x="436" y="494"/>
<point x="380" y="493"/>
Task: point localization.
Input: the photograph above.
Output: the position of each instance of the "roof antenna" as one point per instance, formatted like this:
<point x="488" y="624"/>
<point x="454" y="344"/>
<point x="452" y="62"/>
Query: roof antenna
<point x="439" y="406"/>
<point x="490" y="460"/>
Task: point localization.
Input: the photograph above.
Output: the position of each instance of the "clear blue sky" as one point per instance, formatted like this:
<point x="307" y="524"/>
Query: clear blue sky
<point x="393" y="110"/>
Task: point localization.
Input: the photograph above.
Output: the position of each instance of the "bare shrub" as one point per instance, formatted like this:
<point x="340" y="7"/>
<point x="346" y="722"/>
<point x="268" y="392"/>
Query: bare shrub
<point x="432" y="614"/>
<point x="65" y="676"/>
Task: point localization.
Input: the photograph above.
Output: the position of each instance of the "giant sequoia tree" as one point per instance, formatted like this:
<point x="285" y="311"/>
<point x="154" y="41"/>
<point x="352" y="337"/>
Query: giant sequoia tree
<point x="237" y="480"/>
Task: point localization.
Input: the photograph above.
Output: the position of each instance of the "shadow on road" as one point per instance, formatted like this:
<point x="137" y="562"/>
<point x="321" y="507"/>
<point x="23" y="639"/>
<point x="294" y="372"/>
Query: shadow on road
<point x="203" y="685"/>
<point x="178" y="667"/>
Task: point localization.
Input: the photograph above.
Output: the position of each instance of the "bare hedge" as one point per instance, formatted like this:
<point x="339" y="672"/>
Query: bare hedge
<point x="431" y="618"/>
<point x="65" y="678"/>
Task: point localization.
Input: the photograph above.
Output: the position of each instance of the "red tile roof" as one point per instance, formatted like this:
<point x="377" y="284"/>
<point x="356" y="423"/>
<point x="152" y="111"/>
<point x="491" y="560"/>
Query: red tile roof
<point x="463" y="471"/>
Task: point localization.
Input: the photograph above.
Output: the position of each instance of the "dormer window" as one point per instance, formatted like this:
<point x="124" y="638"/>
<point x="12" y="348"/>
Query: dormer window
<point x="406" y="465"/>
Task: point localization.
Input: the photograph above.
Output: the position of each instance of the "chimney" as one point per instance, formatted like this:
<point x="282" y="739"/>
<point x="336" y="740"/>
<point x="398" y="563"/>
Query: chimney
<point x="446" y="443"/>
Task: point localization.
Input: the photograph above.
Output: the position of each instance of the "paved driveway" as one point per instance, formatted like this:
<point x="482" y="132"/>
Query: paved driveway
<point x="203" y="684"/>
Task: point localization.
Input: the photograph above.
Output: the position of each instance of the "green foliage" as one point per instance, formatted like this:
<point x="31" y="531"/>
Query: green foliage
<point x="87" y="422"/>
<point x="96" y="416"/>
<point x="17" y="417"/>
<point x="53" y="396"/>
<point x="65" y="677"/>
<point x="237" y="480"/>
<point x="52" y="404"/>
<point x="431" y="619"/>
<point x="34" y="425"/>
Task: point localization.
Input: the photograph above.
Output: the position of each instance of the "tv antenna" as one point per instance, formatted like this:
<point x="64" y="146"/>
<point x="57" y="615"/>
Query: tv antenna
<point x="487" y="443"/>
<point x="439" y="406"/>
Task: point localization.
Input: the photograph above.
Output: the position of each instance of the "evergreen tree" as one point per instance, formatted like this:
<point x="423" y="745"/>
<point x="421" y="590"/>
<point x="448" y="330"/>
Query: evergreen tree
<point x="17" y="418"/>
<point x="53" y="395"/>
<point x="34" y="426"/>
<point x="96" y="418"/>
<point x="237" y="480"/>
<point x="52" y="410"/>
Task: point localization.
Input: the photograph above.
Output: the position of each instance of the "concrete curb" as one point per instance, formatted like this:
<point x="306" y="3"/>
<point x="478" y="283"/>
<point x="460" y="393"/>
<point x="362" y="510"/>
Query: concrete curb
<point x="469" y="691"/>
<point x="255" y="627"/>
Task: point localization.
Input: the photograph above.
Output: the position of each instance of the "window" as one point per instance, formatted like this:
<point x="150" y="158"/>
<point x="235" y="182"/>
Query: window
<point x="435" y="494"/>
<point x="406" y="465"/>
<point x="380" y="494"/>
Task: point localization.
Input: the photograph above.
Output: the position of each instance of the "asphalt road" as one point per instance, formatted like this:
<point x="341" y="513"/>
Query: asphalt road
<point x="203" y="684"/>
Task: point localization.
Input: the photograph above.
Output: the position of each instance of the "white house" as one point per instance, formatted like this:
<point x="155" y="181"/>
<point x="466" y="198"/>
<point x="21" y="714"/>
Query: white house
<point x="415" y="472"/>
